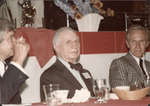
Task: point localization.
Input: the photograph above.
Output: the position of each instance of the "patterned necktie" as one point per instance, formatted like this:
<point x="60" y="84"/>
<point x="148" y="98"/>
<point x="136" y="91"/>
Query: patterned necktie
<point x="141" y="66"/>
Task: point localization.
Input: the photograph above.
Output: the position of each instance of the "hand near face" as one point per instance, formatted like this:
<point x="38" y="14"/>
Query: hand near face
<point x="21" y="50"/>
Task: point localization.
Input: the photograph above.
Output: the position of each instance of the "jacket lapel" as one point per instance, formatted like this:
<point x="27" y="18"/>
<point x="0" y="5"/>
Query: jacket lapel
<point x="68" y="76"/>
<point x="135" y="65"/>
<point x="147" y="64"/>
<point x="86" y="76"/>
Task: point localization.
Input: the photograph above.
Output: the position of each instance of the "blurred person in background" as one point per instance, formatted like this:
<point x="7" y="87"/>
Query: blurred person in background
<point x="12" y="74"/>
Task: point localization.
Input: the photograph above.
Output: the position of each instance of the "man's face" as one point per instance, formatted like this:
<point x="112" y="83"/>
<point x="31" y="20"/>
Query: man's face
<point x="68" y="46"/>
<point x="137" y="43"/>
<point x="7" y="44"/>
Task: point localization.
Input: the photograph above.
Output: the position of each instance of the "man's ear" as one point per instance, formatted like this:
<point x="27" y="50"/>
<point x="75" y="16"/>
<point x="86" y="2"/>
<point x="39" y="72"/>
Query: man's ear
<point x="127" y="43"/>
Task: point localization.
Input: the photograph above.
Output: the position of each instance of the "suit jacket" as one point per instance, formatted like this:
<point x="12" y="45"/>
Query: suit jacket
<point x="10" y="84"/>
<point x="125" y="71"/>
<point x="59" y="74"/>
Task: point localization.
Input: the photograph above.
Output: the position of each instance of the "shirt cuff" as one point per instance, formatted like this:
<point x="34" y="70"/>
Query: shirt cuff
<point x="18" y="66"/>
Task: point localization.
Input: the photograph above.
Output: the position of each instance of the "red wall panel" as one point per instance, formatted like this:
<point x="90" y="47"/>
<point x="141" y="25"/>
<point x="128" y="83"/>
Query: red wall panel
<point x="40" y="41"/>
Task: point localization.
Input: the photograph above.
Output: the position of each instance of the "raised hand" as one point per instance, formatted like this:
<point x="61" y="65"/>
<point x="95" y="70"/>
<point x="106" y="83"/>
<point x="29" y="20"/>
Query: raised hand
<point x="21" y="50"/>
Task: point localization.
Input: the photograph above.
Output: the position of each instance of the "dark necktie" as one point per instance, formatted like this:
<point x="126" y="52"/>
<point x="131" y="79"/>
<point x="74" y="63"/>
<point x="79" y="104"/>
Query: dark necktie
<point x="77" y="67"/>
<point x="141" y="66"/>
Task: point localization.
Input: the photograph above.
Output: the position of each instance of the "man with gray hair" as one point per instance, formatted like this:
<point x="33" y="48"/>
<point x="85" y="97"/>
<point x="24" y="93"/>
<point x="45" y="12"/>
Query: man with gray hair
<point x="12" y="74"/>
<point x="66" y="71"/>
<point x="132" y="71"/>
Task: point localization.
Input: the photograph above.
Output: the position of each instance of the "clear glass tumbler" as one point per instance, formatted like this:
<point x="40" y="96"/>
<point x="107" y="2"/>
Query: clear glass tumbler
<point x="50" y="92"/>
<point x="101" y="90"/>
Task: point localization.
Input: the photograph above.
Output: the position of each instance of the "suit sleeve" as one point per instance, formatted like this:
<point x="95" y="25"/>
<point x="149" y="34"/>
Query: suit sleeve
<point x="11" y="83"/>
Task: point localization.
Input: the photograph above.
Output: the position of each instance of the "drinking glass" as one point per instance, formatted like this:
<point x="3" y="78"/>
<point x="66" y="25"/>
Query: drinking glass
<point x="147" y="83"/>
<point x="101" y="90"/>
<point x="139" y="84"/>
<point x="136" y="85"/>
<point x="50" y="92"/>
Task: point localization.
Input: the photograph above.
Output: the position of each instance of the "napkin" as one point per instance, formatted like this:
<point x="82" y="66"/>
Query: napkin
<point x="80" y="96"/>
<point x="123" y="88"/>
<point x="113" y="96"/>
<point x="61" y="94"/>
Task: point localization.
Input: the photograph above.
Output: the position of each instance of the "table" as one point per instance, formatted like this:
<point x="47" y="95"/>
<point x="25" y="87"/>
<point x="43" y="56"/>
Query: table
<point x="143" y="102"/>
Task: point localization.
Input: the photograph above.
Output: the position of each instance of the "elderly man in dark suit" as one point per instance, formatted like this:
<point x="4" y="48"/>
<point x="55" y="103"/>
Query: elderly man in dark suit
<point x="12" y="74"/>
<point x="132" y="70"/>
<point x="66" y="45"/>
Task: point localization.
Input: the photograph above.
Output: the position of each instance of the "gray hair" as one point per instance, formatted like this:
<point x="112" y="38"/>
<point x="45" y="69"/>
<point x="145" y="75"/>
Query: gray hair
<point x="5" y="25"/>
<point x="58" y="33"/>
<point x="137" y="27"/>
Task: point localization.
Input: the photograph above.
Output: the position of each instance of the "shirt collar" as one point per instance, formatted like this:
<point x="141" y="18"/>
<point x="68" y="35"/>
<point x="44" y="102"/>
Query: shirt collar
<point x="64" y="62"/>
<point x="136" y="58"/>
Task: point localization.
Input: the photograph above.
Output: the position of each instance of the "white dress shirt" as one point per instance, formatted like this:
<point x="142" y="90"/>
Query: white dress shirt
<point x="144" y="66"/>
<point x="74" y="72"/>
<point x="2" y="67"/>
